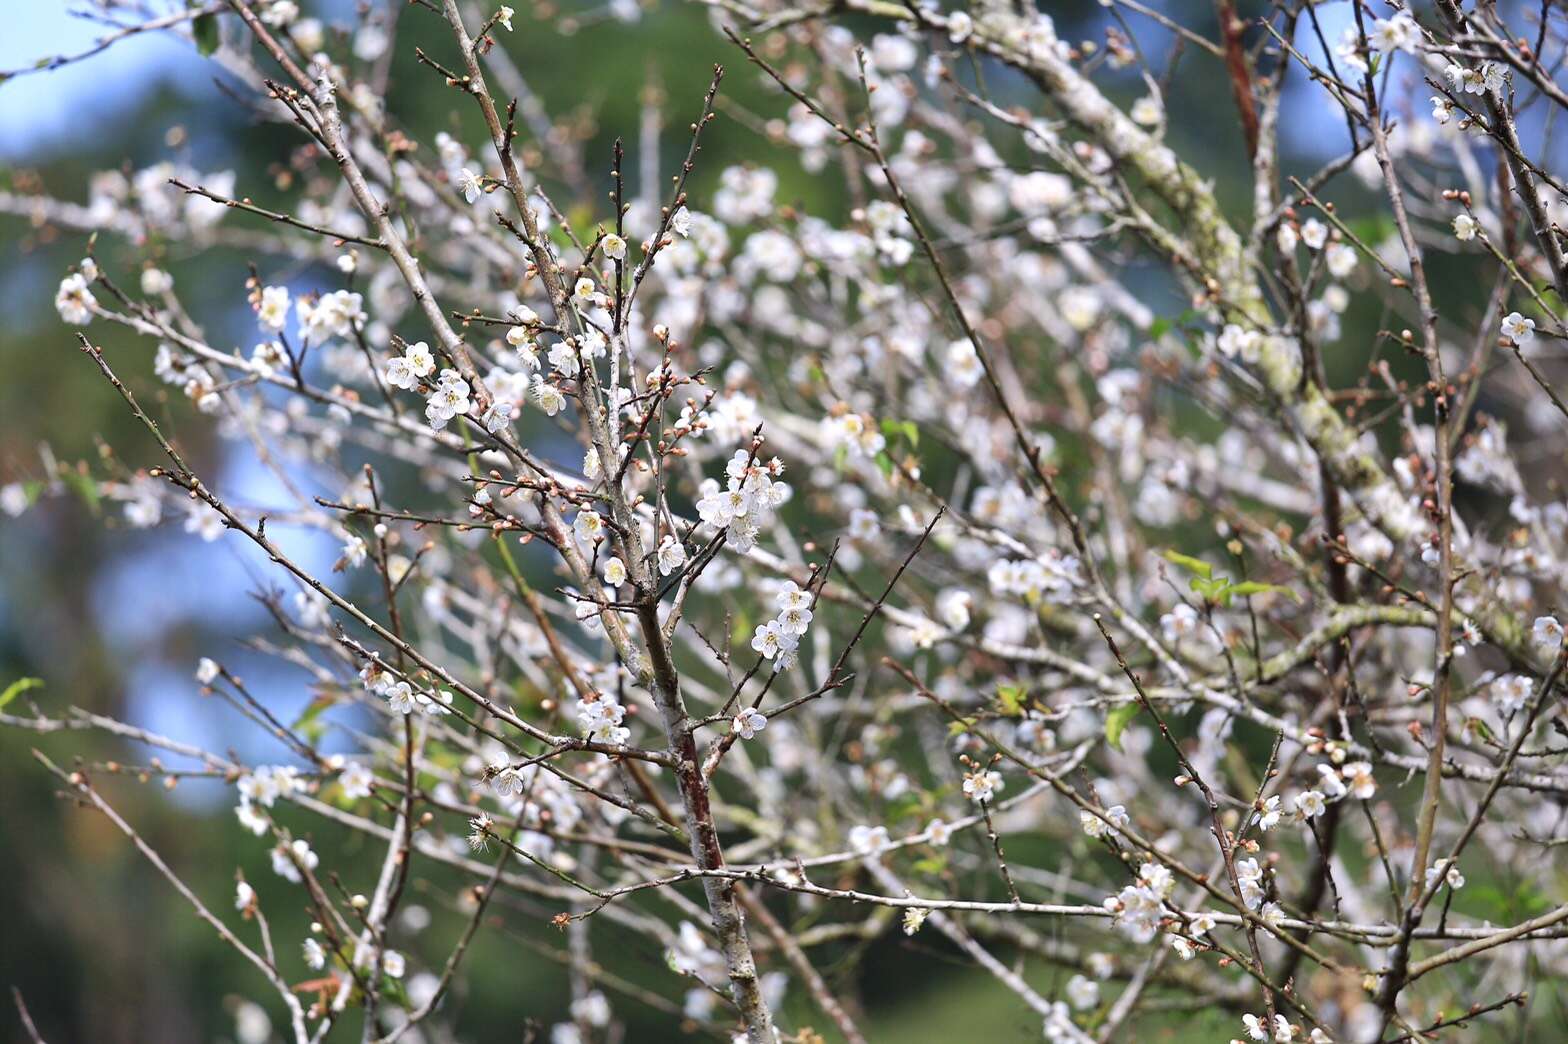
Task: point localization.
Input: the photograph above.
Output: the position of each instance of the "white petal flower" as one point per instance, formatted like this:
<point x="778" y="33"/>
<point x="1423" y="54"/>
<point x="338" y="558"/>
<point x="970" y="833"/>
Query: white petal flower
<point x="749" y="722"/>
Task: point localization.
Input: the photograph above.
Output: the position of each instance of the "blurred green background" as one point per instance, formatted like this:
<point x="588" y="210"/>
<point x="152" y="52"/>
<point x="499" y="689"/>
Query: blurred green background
<point x="113" y="620"/>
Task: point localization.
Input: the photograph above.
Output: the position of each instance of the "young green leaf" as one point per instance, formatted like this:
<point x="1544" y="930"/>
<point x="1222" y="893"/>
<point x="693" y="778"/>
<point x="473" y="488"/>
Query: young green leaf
<point x="1013" y="698"/>
<point x="1252" y="587"/>
<point x="1195" y="565"/>
<point x="205" y="28"/>
<point x="18" y="687"/>
<point x="1116" y="722"/>
<point x="1210" y="590"/>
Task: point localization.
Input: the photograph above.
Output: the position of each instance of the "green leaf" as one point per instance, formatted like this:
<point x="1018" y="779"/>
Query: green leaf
<point x="885" y="462"/>
<point x="1211" y="590"/>
<point x="958" y="728"/>
<point x="1164" y="325"/>
<point x="1373" y="229"/>
<point x="1252" y="587"/>
<point x="903" y="807"/>
<point x="893" y="428"/>
<point x="1013" y="698"/>
<point x="16" y="689"/>
<point x="1116" y="722"/>
<point x="1480" y="728"/>
<point x="1196" y="565"/>
<point x="83" y="486"/>
<point x="205" y="29"/>
<point x="307" y="724"/>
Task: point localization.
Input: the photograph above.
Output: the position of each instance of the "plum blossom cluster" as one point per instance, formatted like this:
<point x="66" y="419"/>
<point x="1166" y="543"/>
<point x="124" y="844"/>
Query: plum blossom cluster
<point x="600" y="719"/>
<point x="400" y="695"/>
<point x="340" y="313"/>
<point x="751" y="493"/>
<point x="260" y="789"/>
<point x="778" y="639"/>
<point x="1204" y="556"/>
<point x="1140" y="907"/>
<point x="449" y="398"/>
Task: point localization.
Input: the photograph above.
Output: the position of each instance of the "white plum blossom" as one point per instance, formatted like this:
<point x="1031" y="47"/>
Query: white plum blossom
<point x="1446" y="872"/>
<point x="497" y="415"/>
<point x="749" y="722"/>
<point x="338" y="314"/>
<point x="1547" y="634"/>
<point x="1314" y="233"/>
<point x="1082" y="993"/>
<point x="774" y="643"/>
<point x="601" y="719"/>
<point x="866" y="839"/>
<point x="401" y="698"/>
<point x="1341" y="259"/>
<point x="449" y="399"/>
<point x="1180" y="623"/>
<point x="982" y="785"/>
<point x="1510" y="693"/>
<point x="863" y="525"/>
<point x="1115" y="818"/>
<point x="272" y="308"/>
<point x="1399" y="33"/>
<point x="14" y="499"/>
<point x="1358" y="777"/>
<point x="1139" y="907"/>
<point x="670" y="554"/>
<point x="613" y="572"/>
<point x="74" y="301"/>
<point x="548" y="396"/>
<point x="1518" y="328"/>
<point x="290" y="858"/>
<point x="156" y="282"/>
<point x="356" y="779"/>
